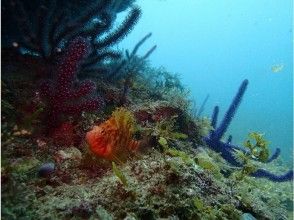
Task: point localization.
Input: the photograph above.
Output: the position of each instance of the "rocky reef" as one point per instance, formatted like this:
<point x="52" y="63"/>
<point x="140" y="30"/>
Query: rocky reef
<point x="92" y="133"/>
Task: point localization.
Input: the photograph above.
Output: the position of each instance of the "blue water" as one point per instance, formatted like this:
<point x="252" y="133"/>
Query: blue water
<point x="214" y="45"/>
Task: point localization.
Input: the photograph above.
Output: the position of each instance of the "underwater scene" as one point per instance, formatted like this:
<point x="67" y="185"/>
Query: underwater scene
<point x="146" y="109"/>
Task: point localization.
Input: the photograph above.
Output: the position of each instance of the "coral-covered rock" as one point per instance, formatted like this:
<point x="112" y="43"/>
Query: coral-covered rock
<point x="156" y="111"/>
<point x="69" y="157"/>
<point x="165" y="112"/>
<point x="143" y="116"/>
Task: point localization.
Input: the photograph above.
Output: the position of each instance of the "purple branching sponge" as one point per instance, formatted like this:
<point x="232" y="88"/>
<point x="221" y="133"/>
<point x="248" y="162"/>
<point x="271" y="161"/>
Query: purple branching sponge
<point x="65" y="95"/>
<point x="227" y="149"/>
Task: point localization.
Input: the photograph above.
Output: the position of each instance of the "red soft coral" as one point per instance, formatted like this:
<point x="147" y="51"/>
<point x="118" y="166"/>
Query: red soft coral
<point x="65" y="95"/>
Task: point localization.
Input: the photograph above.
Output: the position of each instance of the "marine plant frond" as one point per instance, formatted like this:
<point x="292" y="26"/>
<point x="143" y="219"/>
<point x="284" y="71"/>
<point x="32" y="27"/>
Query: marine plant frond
<point x="240" y="156"/>
<point x="259" y="148"/>
<point x="119" y="174"/>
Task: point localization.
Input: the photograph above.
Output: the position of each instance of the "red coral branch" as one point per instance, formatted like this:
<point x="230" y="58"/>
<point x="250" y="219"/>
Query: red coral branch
<point x="65" y="95"/>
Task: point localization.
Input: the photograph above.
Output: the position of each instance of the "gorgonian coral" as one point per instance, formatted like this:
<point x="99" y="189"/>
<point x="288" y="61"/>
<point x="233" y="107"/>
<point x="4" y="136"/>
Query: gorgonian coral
<point x="44" y="28"/>
<point x="65" y="95"/>
<point x="113" y="139"/>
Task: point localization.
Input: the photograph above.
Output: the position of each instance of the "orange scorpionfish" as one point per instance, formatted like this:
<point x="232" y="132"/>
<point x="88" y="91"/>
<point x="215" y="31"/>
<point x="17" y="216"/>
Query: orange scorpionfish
<point x="113" y="138"/>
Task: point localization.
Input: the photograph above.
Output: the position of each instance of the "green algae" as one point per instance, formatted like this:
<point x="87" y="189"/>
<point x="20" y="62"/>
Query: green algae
<point x="259" y="149"/>
<point x="25" y="165"/>
<point x="119" y="174"/>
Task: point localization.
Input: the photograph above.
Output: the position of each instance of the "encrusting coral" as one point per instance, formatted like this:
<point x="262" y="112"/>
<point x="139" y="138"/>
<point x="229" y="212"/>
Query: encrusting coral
<point x="113" y="139"/>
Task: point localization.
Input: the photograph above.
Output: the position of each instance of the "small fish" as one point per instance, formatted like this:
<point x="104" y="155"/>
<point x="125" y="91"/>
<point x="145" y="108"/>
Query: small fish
<point x="277" y="68"/>
<point x="113" y="138"/>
